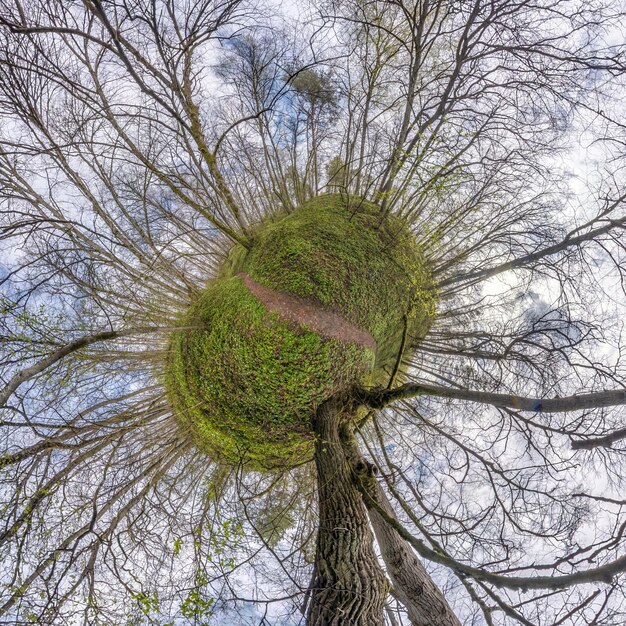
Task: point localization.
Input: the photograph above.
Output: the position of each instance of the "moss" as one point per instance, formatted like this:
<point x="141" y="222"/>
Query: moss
<point x="334" y="250"/>
<point x="247" y="382"/>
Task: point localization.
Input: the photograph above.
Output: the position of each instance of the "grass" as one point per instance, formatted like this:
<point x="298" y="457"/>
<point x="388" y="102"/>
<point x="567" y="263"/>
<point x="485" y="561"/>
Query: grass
<point x="248" y="382"/>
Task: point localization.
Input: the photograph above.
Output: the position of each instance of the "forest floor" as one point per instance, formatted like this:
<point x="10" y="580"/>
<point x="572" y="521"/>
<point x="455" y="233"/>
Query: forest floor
<point x="307" y="312"/>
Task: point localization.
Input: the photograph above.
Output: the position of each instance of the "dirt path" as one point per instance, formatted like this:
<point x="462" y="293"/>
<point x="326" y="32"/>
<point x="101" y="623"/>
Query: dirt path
<point x="309" y="313"/>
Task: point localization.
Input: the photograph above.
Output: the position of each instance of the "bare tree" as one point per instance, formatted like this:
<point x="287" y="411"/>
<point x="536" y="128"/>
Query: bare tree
<point x="141" y="143"/>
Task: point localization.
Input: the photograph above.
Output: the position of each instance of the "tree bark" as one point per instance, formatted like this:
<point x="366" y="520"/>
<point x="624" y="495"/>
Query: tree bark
<point x="380" y="398"/>
<point x="349" y="586"/>
<point x="413" y="586"/>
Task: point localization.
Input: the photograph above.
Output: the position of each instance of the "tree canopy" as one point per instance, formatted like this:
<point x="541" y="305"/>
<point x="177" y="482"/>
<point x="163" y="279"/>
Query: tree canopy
<point x="153" y="150"/>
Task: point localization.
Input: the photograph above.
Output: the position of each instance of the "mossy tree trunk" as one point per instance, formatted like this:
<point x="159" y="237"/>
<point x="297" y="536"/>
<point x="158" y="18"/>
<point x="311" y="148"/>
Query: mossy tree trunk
<point x="349" y="586"/>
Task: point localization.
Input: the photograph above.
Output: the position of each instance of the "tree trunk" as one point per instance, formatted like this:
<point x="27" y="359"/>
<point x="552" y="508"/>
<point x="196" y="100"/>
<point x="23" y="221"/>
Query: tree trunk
<point x="349" y="586"/>
<point x="413" y="586"/>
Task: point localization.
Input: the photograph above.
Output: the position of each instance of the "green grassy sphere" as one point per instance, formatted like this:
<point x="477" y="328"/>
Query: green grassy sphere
<point x="248" y="380"/>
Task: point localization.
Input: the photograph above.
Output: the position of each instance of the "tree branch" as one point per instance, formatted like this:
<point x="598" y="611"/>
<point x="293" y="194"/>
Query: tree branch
<point x="73" y="346"/>
<point x="380" y="398"/>
<point x="604" y="573"/>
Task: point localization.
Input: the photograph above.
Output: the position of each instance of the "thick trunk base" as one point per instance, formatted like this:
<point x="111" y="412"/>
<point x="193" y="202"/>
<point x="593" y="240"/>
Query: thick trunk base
<point x="349" y="587"/>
